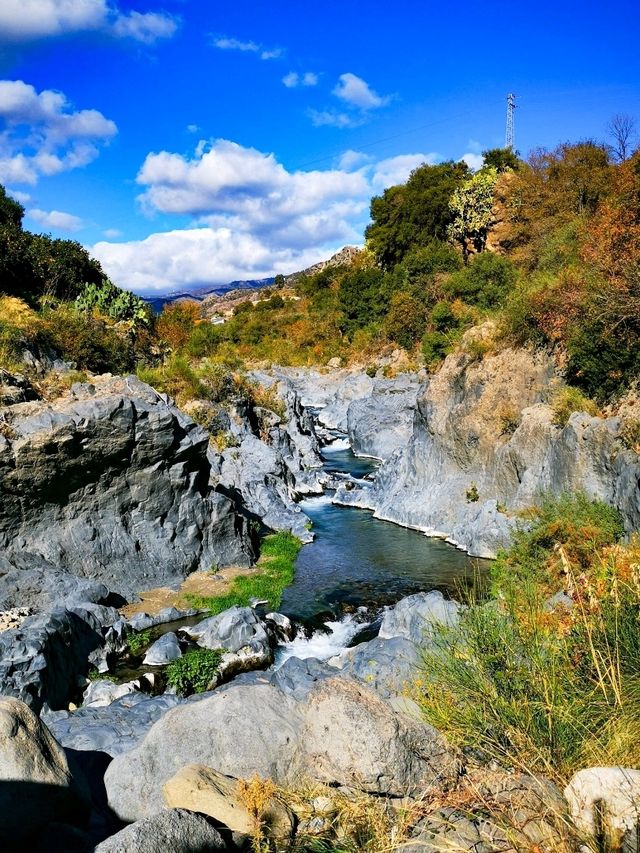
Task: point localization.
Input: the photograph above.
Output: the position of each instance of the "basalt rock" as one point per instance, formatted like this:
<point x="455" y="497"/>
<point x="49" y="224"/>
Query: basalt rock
<point x="111" y="483"/>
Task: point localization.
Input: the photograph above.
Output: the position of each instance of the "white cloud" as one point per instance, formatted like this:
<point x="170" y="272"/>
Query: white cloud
<point x="231" y="43"/>
<point x="293" y="79"/>
<point x="356" y="92"/>
<point x="396" y="170"/>
<point x="145" y="27"/>
<point x="112" y="233"/>
<point x="474" y="161"/>
<point x="192" y="128"/>
<point x="43" y="135"/>
<point x="25" y="20"/>
<point x="56" y="219"/>
<point x="251" y="217"/>
<point x="351" y="159"/>
<point x="331" y="118"/>
<point x="23" y="198"/>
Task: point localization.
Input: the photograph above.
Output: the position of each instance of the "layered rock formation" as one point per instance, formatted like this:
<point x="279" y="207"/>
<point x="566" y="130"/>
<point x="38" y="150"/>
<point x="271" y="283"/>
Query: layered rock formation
<point x="484" y="445"/>
<point x="112" y="483"/>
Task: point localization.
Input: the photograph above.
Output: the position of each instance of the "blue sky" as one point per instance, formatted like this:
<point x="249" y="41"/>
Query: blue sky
<point x="189" y="143"/>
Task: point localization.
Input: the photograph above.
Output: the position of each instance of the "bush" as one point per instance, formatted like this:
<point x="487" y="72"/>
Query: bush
<point x="540" y="687"/>
<point x="176" y="323"/>
<point x="138" y="641"/>
<point x="603" y="363"/>
<point x="405" y="321"/>
<point x="566" y="401"/>
<point x="485" y="282"/>
<point x="435" y="347"/>
<point x="195" y="671"/>
<point x="112" y="301"/>
<point x="177" y="378"/>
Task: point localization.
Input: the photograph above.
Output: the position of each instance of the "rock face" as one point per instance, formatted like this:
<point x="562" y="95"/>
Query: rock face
<point x="175" y="830"/>
<point x="412" y="617"/>
<point x="36" y="786"/>
<point x="112" y="483"/>
<point x="484" y="445"/>
<point x="340" y="733"/>
<point x="606" y="800"/>
<point x="382" y="423"/>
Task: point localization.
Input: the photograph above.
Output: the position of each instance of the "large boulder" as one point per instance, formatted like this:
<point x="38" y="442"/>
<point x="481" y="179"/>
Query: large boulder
<point x="165" y="649"/>
<point x="36" y="786"/>
<point x="174" y="830"/>
<point x="385" y="665"/>
<point x="341" y="733"/>
<point x="241" y="634"/>
<point x="112" y="483"/>
<point x="416" y="616"/>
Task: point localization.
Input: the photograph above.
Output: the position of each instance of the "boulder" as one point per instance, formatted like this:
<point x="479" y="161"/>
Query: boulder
<point x="352" y="737"/>
<point x="385" y="665"/>
<point x="241" y="634"/>
<point x="413" y="617"/>
<point x="112" y="483"/>
<point x="175" y="830"/>
<point x="340" y="733"/>
<point x="606" y="800"/>
<point x="101" y="693"/>
<point x="163" y="651"/>
<point x="240" y="730"/>
<point x="36" y="786"/>
<point x="27" y="580"/>
<point x="202" y="789"/>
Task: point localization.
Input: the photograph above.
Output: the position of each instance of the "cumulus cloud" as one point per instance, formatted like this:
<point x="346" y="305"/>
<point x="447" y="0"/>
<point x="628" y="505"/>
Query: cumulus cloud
<point x="26" y="20"/>
<point x="293" y="79"/>
<point x="332" y="118"/>
<point x="23" y="198"/>
<point x="251" y="217"/>
<point x="231" y="43"/>
<point x="43" y="135"/>
<point x="474" y="161"/>
<point x="356" y="92"/>
<point x="56" y="219"/>
<point x="112" y="233"/>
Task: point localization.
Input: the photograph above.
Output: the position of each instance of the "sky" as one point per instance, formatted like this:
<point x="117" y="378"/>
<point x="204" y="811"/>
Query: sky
<point x="190" y="143"/>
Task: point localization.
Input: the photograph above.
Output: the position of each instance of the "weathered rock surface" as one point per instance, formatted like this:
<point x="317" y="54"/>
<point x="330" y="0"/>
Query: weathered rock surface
<point x="202" y="789"/>
<point x="101" y="693"/>
<point x="27" y="581"/>
<point x="387" y="666"/>
<point x="36" y="786"/>
<point x="175" y="830"/>
<point x="606" y="800"/>
<point x="382" y="423"/>
<point x="487" y="424"/>
<point x="112" y="483"/>
<point x="341" y="733"/>
<point x="163" y="651"/>
<point x="416" y="615"/>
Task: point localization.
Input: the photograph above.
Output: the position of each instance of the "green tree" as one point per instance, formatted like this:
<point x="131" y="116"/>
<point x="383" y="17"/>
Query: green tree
<point x="405" y="321"/>
<point x="471" y="206"/>
<point x="486" y="282"/>
<point x="363" y="299"/>
<point x="413" y="214"/>
<point x="502" y="159"/>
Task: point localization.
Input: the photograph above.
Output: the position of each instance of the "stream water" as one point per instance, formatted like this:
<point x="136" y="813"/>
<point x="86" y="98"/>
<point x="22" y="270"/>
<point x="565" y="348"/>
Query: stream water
<point x="357" y="560"/>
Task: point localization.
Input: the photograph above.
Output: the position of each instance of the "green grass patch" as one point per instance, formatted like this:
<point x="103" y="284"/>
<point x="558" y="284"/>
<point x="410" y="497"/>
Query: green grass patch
<point x="136" y="642"/>
<point x="194" y="671"/>
<point x="275" y="571"/>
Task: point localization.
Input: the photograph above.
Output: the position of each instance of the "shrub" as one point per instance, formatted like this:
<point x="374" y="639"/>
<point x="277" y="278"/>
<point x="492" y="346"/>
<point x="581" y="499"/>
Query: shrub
<point x="630" y="433"/>
<point x="136" y="642"/>
<point x="177" y="378"/>
<point x="472" y="494"/>
<point x="176" y="323"/>
<point x="195" y="671"/>
<point x="485" y="282"/>
<point x="568" y="400"/>
<point x="442" y="317"/>
<point x="539" y="687"/>
<point x="405" y="320"/>
<point x="435" y="346"/>
<point x="112" y="301"/>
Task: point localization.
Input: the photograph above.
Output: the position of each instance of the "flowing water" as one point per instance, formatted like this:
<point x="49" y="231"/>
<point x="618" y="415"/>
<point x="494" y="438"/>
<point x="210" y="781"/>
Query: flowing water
<point x="357" y="560"/>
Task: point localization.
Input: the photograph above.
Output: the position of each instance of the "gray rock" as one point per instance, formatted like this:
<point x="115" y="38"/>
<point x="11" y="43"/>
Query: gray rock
<point x="413" y="617"/>
<point x="45" y="658"/>
<point x="112" y="729"/>
<point x="606" y="799"/>
<point x="298" y="676"/>
<point x="101" y="693"/>
<point x="341" y="733"/>
<point x="487" y="423"/>
<point x="382" y="423"/>
<point x="112" y="485"/>
<point x="163" y="650"/>
<point x="174" y="830"/>
<point x="36" y="786"/>
<point x="27" y="580"/>
<point x="385" y="665"/>
<point x="233" y="629"/>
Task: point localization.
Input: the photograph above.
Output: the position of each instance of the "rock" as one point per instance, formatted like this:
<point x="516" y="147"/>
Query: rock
<point x="606" y="800"/>
<point x="487" y="423"/>
<point x="113" y="484"/>
<point x="163" y="650"/>
<point x="174" y="830"/>
<point x="387" y="666"/>
<point x="101" y="693"/>
<point x="238" y="730"/>
<point x="202" y="789"/>
<point x="36" y="786"/>
<point x="352" y="738"/>
<point x="14" y="617"/>
<point x="341" y="733"/>
<point x="283" y="626"/>
<point x="414" y="616"/>
<point x="298" y="676"/>
<point x="45" y="659"/>
<point x="382" y="423"/>
<point x="232" y="630"/>
<point x="14" y="388"/>
<point x="111" y="729"/>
